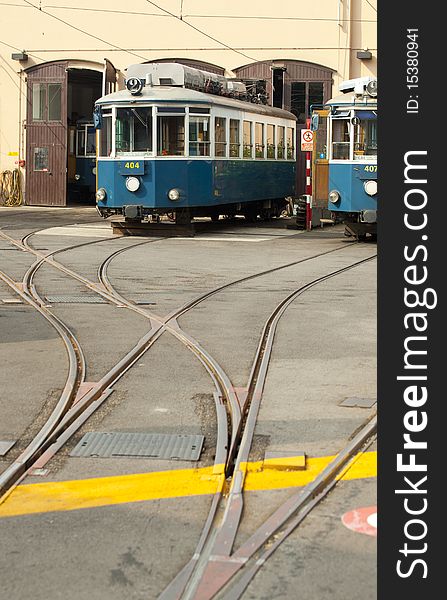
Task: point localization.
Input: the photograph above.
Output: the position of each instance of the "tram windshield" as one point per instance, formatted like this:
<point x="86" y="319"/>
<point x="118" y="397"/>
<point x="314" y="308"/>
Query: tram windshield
<point x="133" y="130"/>
<point x="365" y="134"/>
<point x="354" y="135"/>
<point x="341" y="138"/>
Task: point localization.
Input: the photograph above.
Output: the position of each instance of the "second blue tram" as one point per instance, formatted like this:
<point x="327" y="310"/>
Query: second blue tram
<point x="168" y="145"/>
<point x="352" y="156"/>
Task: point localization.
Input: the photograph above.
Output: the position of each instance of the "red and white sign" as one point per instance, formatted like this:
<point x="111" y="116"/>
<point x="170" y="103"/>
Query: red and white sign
<point x="362" y="520"/>
<point x="307" y="140"/>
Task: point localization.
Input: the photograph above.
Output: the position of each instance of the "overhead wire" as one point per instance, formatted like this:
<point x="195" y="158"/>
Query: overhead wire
<point x="83" y="30"/>
<point x="182" y="20"/>
<point x="198" y="16"/>
<point x="373" y="7"/>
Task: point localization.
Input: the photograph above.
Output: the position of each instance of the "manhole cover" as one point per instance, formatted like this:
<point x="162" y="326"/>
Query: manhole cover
<point x="146" y="445"/>
<point x="93" y="299"/>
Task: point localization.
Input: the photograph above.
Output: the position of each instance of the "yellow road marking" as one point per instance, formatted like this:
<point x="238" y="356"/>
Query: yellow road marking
<point x="106" y="491"/>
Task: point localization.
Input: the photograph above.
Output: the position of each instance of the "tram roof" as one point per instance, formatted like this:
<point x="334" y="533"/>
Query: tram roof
<point x="353" y="101"/>
<point x="168" y="94"/>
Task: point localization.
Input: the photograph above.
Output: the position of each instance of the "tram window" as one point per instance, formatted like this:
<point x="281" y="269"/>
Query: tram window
<point x="105" y="135"/>
<point x="248" y="139"/>
<point x="199" y="136"/>
<point x="259" y="140"/>
<point x="71" y="141"/>
<point x="80" y="142"/>
<point x="39" y="101"/>
<point x="220" y="136"/>
<point x="290" y="143"/>
<point x="234" y="138"/>
<point x="171" y="136"/>
<point x="54" y="101"/>
<point x="90" y="149"/>
<point x="340" y="139"/>
<point x="365" y="138"/>
<point x="270" y="141"/>
<point x="198" y="110"/>
<point x="133" y="130"/>
<point x="281" y="141"/>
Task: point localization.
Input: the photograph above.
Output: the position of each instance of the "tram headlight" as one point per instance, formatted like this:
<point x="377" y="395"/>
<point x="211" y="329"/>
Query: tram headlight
<point x="334" y="196"/>
<point x="370" y="187"/>
<point x="100" y="195"/>
<point x="77" y="177"/>
<point x="132" y="184"/>
<point x="173" y="194"/>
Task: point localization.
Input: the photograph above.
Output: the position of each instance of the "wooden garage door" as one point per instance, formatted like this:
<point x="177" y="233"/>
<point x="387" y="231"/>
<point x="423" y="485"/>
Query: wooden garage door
<point x="46" y="135"/>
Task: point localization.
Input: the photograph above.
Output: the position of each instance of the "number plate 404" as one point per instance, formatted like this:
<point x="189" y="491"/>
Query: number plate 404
<point x="131" y="167"/>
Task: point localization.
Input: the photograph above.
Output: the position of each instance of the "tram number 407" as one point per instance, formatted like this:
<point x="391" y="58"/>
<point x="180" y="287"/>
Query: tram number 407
<point x="371" y="168"/>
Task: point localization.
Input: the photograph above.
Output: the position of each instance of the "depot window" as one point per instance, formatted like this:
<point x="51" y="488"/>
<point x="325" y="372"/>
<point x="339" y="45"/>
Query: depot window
<point x="248" y="139"/>
<point x="54" y="101"/>
<point x="170" y="135"/>
<point x="41" y="162"/>
<point x="234" y="138"/>
<point x="220" y="136"/>
<point x="133" y="130"/>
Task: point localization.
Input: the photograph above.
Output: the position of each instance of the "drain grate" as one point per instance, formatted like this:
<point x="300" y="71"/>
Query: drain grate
<point x="85" y="299"/>
<point x="145" y="445"/>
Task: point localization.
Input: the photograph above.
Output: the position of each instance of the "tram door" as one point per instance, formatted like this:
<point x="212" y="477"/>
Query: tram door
<point x="320" y="163"/>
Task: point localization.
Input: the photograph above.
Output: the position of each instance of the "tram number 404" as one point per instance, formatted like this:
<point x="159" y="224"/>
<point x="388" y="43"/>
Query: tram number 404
<point x="131" y="166"/>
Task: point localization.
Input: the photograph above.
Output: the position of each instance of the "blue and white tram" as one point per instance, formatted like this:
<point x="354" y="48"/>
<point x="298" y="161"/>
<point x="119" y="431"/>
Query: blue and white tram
<point x="352" y="154"/>
<point x="179" y="140"/>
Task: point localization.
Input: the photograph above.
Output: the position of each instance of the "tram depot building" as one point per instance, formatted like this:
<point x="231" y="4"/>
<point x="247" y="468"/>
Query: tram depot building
<point x="57" y="60"/>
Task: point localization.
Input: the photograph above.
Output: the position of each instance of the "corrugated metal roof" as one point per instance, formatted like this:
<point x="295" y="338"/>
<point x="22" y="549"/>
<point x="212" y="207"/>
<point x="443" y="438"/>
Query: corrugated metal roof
<point x="179" y="95"/>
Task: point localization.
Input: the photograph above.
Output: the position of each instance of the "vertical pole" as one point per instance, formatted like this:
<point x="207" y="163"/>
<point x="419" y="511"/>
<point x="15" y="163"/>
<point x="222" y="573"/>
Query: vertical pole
<point x="308" y="186"/>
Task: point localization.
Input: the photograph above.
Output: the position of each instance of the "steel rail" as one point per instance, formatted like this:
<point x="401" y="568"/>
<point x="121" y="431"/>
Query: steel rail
<point x="75" y="376"/>
<point x="201" y="574"/>
<point x="208" y="362"/>
<point x="177" y="313"/>
<point x="221" y="381"/>
<point x="286" y="519"/>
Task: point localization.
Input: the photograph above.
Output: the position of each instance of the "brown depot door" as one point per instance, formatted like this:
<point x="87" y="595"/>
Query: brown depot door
<point x="46" y="135"/>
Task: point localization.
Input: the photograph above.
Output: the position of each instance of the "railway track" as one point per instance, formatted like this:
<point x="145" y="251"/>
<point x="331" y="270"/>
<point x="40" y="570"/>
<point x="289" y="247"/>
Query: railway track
<point x="213" y="564"/>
